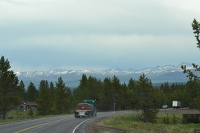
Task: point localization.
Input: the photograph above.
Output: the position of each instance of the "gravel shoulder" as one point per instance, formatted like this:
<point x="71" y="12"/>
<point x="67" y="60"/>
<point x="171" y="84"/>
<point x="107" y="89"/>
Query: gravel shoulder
<point x="98" y="127"/>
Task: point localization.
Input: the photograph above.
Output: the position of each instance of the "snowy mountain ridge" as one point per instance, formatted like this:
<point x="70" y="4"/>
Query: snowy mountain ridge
<point x="117" y="71"/>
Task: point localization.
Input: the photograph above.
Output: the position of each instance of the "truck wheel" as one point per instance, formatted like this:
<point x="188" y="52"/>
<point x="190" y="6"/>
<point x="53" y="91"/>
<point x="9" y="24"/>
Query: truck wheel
<point x="76" y="116"/>
<point x="89" y="115"/>
<point x="95" y="115"/>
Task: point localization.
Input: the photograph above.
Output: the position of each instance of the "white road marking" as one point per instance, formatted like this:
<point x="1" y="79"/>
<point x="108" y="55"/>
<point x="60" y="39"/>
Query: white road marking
<point x="79" y="125"/>
<point x="87" y="120"/>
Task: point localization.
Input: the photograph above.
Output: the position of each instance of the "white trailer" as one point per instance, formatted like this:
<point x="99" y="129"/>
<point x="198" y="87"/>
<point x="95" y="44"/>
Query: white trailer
<point x="176" y="104"/>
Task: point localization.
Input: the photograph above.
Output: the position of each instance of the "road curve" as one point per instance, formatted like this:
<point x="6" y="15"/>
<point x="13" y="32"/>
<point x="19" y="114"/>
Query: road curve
<point x="59" y="124"/>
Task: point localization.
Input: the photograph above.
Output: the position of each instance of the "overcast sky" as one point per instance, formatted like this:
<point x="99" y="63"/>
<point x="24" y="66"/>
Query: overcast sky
<point x="97" y="34"/>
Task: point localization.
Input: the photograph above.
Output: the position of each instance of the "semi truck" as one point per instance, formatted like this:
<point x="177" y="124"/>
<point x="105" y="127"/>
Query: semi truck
<point x="87" y="108"/>
<point x="176" y="104"/>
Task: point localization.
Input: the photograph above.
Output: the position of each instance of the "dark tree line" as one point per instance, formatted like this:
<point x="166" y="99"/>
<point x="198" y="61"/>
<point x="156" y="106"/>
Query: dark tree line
<point x="110" y="93"/>
<point x="136" y="94"/>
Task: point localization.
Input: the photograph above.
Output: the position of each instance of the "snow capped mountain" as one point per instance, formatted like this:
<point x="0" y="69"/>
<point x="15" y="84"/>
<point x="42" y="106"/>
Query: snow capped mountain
<point x="60" y="72"/>
<point x="167" y="73"/>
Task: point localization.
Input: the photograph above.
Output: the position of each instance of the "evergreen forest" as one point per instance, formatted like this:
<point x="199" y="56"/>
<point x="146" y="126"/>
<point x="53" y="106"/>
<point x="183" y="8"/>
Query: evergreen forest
<point x="57" y="98"/>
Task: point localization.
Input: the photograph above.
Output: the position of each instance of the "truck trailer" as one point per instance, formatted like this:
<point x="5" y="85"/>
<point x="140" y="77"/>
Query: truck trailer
<point x="176" y="104"/>
<point x="85" y="109"/>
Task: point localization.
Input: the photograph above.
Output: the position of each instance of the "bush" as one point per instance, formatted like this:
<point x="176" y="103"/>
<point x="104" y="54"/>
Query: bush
<point x="30" y="112"/>
<point x="166" y="119"/>
<point x="174" y="120"/>
<point x="19" y="113"/>
<point x="149" y="115"/>
<point x="191" y="118"/>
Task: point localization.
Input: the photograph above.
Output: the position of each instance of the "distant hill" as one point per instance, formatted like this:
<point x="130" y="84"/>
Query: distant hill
<point x="157" y="75"/>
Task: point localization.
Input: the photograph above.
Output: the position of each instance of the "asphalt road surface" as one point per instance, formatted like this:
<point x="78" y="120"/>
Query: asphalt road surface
<point x="59" y="124"/>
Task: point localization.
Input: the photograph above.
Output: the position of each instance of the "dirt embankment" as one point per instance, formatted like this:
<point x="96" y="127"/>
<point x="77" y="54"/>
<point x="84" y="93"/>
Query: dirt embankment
<point x="98" y="127"/>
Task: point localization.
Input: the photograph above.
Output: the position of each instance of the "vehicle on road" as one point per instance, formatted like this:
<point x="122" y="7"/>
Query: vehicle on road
<point x="176" y="104"/>
<point x="164" y="106"/>
<point x="86" y="108"/>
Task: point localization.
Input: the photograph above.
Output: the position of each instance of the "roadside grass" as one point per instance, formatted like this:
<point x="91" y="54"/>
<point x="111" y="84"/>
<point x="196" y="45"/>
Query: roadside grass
<point x="132" y="124"/>
<point x="15" y="115"/>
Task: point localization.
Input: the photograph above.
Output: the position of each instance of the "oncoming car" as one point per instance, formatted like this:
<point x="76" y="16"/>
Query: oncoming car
<point x="164" y="106"/>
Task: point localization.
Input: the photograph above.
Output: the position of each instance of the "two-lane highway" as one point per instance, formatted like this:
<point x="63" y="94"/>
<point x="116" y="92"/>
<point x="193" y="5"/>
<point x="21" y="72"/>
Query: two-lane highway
<point x="59" y="124"/>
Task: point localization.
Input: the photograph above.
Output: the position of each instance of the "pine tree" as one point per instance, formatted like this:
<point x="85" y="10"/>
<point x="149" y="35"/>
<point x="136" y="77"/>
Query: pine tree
<point x="70" y="102"/>
<point x="52" y="91"/>
<point x="61" y="102"/>
<point x="165" y="94"/>
<point x="131" y="84"/>
<point x="22" y="86"/>
<point x="131" y="101"/>
<point x="83" y="81"/>
<point x="79" y="92"/>
<point x="192" y="90"/>
<point x="116" y="91"/>
<point x="107" y="95"/>
<point x="93" y="88"/>
<point x="44" y="100"/>
<point x="146" y="99"/>
<point x="31" y="93"/>
<point x="122" y="94"/>
<point x="10" y="92"/>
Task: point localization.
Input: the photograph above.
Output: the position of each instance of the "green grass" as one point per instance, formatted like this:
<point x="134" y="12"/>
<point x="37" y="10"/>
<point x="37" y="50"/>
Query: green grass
<point x="18" y="115"/>
<point x="22" y="115"/>
<point x="132" y="124"/>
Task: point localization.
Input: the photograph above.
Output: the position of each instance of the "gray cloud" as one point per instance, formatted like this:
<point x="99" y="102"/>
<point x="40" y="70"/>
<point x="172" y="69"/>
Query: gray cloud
<point x="52" y="34"/>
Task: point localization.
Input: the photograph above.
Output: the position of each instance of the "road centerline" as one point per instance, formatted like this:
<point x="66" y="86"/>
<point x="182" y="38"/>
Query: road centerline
<point x="25" y="129"/>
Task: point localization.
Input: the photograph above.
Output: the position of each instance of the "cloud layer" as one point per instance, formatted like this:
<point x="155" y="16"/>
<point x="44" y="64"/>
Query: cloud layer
<point x="50" y="34"/>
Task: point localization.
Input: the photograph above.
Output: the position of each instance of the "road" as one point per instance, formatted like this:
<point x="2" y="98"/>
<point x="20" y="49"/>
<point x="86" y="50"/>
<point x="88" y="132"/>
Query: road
<point x="59" y="124"/>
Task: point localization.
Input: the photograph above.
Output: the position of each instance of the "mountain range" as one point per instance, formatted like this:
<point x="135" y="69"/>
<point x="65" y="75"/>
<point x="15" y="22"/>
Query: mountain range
<point x="158" y="75"/>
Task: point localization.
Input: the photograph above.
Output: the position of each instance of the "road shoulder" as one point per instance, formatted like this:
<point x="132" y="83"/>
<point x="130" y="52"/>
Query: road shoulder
<point x="98" y="127"/>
